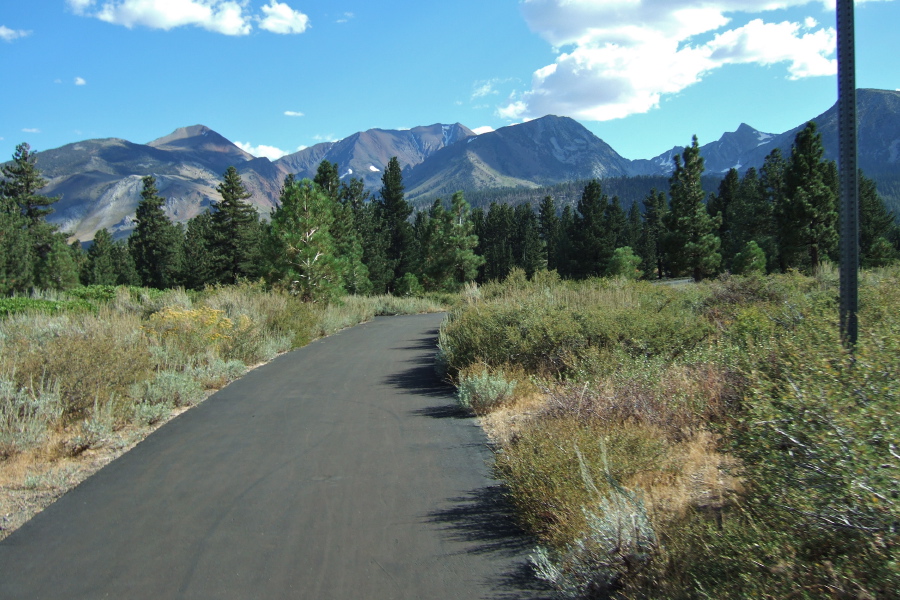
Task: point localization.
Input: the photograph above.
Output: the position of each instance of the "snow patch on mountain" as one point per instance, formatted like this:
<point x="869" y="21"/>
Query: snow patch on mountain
<point x="764" y="138"/>
<point x="446" y="134"/>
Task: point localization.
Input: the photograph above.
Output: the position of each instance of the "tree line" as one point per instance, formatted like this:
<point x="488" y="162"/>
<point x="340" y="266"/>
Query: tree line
<point x="327" y="236"/>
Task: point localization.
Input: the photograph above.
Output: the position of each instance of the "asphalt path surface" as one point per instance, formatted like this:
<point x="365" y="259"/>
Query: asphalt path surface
<point x="338" y="471"/>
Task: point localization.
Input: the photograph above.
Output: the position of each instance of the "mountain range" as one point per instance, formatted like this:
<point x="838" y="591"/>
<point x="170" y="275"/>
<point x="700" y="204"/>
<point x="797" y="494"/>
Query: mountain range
<point x="99" y="181"/>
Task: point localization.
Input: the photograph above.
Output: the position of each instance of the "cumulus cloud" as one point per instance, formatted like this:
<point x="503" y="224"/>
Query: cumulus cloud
<point x="227" y="17"/>
<point x="620" y="57"/>
<point x="270" y="152"/>
<point x="80" y="81"/>
<point x="292" y="113"/>
<point x="281" y="18"/>
<point x="10" y="35"/>
<point x="484" y="129"/>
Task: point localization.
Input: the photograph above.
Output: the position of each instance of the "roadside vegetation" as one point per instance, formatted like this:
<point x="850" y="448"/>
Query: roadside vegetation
<point x="700" y="441"/>
<point x="88" y="372"/>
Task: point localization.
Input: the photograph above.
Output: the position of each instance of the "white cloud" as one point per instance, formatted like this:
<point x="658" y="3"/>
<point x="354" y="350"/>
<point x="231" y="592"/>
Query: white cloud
<point x="80" y="6"/>
<point x="484" y="88"/>
<point x="620" y="57"/>
<point x="270" y="152"/>
<point x="30" y="130"/>
<point x="9" y="35"/>
<point x="219" y="16"/>
<point x="80" y="81"/>
<point x="346" y="17"/>
<point x="281" y="18"/>
<point x="770" y="43"/>
<point x="484" y="129"/>
<point x="293" y="113"/>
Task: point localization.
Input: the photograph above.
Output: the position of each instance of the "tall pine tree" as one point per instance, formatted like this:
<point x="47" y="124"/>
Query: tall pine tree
<point x="808" y="213"/>
<point x="236" y="234"/>
<point x="549" y="222"/>
<point x="301" y="251"/>
<point x="155" y="243"/>
<point x="26" y="239"/>
<point x="100" y="268"/>
<point x="652" y="251"/>
<point x="394" y="212"/>
<point x="692" y="246"/>
<point x="594" y="234"/>
<point x="200" y="265"/>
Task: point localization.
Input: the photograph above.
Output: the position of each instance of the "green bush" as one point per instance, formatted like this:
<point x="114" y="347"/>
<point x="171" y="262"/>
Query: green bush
<point x="484" y="391"/>
<point x="171" y="388"/>
<point x="16" y="305"/>
<point x="26" y="416"/>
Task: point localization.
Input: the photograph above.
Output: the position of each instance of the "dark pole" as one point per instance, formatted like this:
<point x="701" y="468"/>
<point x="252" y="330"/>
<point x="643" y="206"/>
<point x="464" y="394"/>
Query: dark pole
<point x="848" y="173"/>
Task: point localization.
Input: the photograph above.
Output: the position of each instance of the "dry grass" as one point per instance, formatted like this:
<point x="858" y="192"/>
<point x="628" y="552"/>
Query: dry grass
<point x="79" y="389"/>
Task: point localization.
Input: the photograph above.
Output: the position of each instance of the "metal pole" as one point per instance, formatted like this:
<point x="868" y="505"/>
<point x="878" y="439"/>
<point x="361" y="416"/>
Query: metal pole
<point x="848" y="173"/>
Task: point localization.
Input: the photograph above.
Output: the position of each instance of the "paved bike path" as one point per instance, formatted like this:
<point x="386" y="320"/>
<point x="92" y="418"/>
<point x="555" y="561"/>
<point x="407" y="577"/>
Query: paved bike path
<point x="337" y="471"/>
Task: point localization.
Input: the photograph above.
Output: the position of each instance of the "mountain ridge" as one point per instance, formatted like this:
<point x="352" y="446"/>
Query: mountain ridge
<point x="99" y="180"/>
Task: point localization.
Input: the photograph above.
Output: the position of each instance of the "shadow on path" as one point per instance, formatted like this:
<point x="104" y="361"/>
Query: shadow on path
<point x="483" y="519"/>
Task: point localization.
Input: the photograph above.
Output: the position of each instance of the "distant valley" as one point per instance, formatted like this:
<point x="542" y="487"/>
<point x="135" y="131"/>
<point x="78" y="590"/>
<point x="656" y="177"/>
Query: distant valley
<point x="99" y="180"/>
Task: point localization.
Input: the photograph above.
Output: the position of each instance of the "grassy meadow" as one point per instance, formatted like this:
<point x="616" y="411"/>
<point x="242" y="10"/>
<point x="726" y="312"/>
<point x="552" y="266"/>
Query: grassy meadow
<point x="86" y="373"/>
<point x="699" y="441"/>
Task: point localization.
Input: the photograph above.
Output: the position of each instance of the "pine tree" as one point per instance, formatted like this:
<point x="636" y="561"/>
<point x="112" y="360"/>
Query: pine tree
<point x="235" y="231"/>
<point x="751" y="214"/>
<point x="22" y="181"/>
<point x="301" y="250"/>
<point x="876" y="226"/>
<point x="200" y="266"/>
<point x="692" y="247"/>
<point x="126" y="272"/>
<point x="155" y="243"/>
<point x="625" y="263"/>
<point x="808" y="214"/>
<point x="528" y="250"/>
<point x="566" y="253"/>
<point x="17" y="259"/>
<point x="26" y="238"/>
<point x="56" y="270"/>
<point x="616" y="223"/>
<point x="328" y="179"/>
<point x="499" y="229"/>
<point x="79" y="256"/>
<point x="372" y="238"/>
<point x="100" y="268"/>
<point x="394" y="213"/>
<point x="773" y="189"/>
<point x="449" y="242"/>
<point x="722" y="204"/>
<point x="595" y="233"/>
<point x="549" y="222"/>
<point x="349" y="249"/>
<point x="751" y="259"/>
<point x="653" y="234"/>
<point x="632" y="237"/>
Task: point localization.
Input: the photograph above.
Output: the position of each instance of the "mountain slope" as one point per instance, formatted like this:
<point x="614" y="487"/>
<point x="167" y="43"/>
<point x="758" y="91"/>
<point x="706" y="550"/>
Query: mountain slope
<point x="540" y="152"/>
<point x="878" y="135"/>
<point x="99" y="180"/>
<point x="365" y="155"/>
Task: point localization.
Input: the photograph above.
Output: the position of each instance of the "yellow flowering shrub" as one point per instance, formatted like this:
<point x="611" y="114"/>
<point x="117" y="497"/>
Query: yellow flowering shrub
<point x="192" y="331"/>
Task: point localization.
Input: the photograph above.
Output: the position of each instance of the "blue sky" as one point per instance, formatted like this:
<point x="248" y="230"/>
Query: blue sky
<point x="280" y="75"/>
